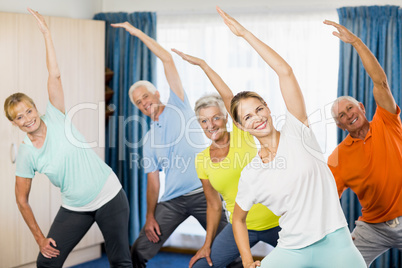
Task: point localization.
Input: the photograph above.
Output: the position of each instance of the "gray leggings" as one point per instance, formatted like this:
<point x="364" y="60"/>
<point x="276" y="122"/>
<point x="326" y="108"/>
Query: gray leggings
<point x="69" y="227"/>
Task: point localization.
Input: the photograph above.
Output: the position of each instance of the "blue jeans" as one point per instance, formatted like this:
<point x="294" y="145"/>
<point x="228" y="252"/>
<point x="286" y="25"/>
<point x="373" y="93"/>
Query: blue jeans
<point x="335" y="250"/>
<point x="224" y="249"/>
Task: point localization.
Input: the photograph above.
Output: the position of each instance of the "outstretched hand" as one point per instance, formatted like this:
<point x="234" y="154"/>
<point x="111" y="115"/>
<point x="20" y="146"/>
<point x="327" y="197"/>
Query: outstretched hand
<point x="40" y="20"/>
<point x="233" y="24"/>
<point x="191" y="59"/>
<point x="343" y="33"/>
<point x="125" y="25"/>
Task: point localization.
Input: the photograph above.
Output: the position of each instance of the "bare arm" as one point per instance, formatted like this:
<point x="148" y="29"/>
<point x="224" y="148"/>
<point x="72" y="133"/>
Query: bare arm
<point x="381" y="91"/>
<point x="22" y="190"/>
<point x="289" y="86"/>
<point x="54" y="86"/>
<point x="214" y="210"/>
<point x="216" y="80"/>
<point x="169" y="67"/>
<point x="240" y="233"/>
<point x="151" y="225"/>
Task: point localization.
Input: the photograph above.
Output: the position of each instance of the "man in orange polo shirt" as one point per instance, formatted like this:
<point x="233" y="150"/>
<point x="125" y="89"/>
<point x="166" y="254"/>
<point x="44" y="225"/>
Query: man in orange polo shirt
<point x="369" y="159"/>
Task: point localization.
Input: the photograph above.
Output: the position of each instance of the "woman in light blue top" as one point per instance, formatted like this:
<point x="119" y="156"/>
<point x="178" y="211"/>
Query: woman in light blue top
<point x="90" y="190"/>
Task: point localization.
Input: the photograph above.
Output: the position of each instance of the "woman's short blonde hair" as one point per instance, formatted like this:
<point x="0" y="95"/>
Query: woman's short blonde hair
<point x="13" y="101"/>
<point x="234" y="104"/>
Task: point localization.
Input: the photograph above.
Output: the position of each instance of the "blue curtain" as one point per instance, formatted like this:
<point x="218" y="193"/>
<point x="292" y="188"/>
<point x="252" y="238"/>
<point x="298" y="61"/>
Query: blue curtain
<point x="130" y="60"/>
<point x="380" y="28"/>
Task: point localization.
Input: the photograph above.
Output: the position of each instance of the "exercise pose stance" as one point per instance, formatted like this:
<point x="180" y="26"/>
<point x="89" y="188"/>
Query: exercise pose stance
<point x="174" y="138"/>
<point x="290" y="176"/>
<point x="90" y="190"/>
<point x="219" y="167"/>
<point x="369" y="159"/>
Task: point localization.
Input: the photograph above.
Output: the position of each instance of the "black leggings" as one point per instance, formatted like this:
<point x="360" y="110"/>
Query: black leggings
<point x="69" y="227"/>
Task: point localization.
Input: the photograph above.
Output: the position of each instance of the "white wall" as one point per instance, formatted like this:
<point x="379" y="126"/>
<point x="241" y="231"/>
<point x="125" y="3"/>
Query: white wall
<point x="166" y="7"/>
<point x="79" y="9"/>
<point x="85" y="9"/>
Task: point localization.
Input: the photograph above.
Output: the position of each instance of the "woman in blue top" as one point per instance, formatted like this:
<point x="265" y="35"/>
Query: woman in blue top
<point x="90" y="190"/>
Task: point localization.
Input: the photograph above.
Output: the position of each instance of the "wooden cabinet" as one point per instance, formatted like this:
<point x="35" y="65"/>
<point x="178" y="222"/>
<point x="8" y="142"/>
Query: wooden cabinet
<point x="79" y="47"/>
<point x="8" y="145"/>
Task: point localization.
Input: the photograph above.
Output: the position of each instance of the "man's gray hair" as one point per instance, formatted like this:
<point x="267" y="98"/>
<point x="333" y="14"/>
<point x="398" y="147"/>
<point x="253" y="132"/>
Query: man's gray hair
<point x="339" y="99"/>
<point x="142" y="83"/>
<point x="210" y="100"/>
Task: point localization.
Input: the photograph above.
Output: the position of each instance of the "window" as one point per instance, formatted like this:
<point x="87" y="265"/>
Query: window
<point x="300" y="38"/>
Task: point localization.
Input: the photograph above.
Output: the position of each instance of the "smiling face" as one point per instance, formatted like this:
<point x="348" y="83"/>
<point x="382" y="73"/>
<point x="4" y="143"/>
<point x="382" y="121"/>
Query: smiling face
<point x="148" y="103"/>
<point x="350" y="116"/>
<point x="255" y="117"/>
<point x="213" y="122"/>
<point x="26" y="117"/>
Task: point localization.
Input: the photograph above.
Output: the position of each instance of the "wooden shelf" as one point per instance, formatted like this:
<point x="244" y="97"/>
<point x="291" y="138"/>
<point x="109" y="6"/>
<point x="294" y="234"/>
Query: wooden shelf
<point x="108" y="75"/>
<point x="108" y="93"/>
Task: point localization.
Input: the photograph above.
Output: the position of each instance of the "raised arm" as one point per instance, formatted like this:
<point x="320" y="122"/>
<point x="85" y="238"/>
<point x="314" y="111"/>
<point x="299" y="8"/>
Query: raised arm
<point x="381" y="91"/>
<point x="215" y="79"/>
<point x="22" y="190"/>
<point x="289" y="86"/>
<point x="169" y="67"/>
<point x="54" y="86"/>
<point x="241" y="236"/>
<point x="214" y="210"/>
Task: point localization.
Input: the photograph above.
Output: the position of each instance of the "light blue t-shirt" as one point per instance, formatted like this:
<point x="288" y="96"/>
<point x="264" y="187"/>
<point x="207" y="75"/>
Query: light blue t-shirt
<point x="172" y="144"/>
<point x="65" y="159"/>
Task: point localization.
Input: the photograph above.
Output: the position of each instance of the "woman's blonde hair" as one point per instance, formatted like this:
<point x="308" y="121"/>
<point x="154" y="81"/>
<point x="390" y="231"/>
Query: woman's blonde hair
<point x="13" y="101"/>
<point x="234" y="104"/>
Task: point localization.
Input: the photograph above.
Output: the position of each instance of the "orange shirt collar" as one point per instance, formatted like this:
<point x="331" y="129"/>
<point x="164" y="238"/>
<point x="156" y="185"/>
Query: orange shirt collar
<point x="349" y="140"/>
